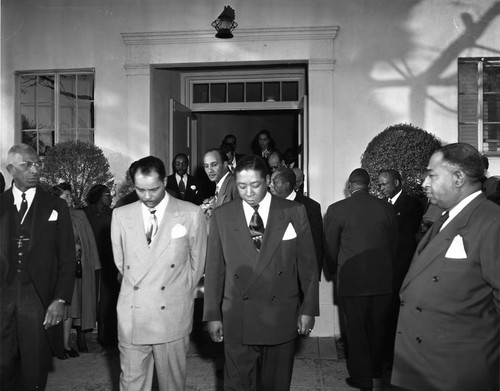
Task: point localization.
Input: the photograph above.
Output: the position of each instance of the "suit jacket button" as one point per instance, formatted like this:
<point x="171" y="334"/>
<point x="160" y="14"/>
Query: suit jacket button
<point x="419" y="340"/>
<point x="162" y="307"/>
<point x="273" y="298"/>
<point x="128" y="267"/>
<point x="435" y="278"/>
<point x="419" y="309"/>
<point x="136" y="288"/>
<point x="245" y="298"/>
<point x="172" y="265"/>
<point x="236" y="275"/>
<point x="162" y="288"/>
<point x="280" y="274"/>
<point x="402" y="304"/>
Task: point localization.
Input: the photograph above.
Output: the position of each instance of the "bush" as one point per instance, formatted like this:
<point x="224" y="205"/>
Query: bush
<point x="402" y="147"/>
<point x="80" y="164"/>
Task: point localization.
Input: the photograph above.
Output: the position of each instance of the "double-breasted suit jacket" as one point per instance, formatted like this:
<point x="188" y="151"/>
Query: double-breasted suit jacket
<point x="193" y="191"/>
<point x="227" y="191"/>
<point x="155" y="304"/>
<point x="257" y="295"/>
<point x="449" y="322"/>
<point x="51" y="259"/>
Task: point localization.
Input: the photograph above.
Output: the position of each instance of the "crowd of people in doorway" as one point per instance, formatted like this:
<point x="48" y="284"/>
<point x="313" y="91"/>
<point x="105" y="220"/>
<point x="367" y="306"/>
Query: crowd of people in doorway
<point x="417" y="282"/>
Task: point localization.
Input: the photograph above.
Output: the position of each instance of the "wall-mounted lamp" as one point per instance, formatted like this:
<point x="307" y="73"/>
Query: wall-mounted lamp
<point x="225" y="23"/>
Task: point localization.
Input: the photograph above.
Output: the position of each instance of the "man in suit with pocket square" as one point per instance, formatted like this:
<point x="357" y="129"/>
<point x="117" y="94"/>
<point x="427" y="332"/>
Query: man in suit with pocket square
<point x="261" y="282"/>
<point x="37" y="272"/>
<point x="159" y="245"/>
<point x="448" y="334"/>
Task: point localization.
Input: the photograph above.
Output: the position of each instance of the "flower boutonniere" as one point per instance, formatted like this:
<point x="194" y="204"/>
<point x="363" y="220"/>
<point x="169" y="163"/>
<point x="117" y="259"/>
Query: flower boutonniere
<point x="207" y="206"/>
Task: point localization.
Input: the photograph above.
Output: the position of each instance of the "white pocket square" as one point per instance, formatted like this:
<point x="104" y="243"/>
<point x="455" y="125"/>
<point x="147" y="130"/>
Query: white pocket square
<point x="178" y="231"/>
<point x="289" y="233"/>
<point x="456" y="249"/>
<point x="53" y="215"/>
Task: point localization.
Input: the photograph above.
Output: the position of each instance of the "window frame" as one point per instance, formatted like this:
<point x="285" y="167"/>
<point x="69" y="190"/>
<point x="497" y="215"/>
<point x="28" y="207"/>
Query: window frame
<point x="480" y="124"/>
<point x="56" y="103"/>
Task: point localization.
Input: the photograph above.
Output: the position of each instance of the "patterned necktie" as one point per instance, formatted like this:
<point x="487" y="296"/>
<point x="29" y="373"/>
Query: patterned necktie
<point x="256" y="228"/>
<point x="153" y="226"/>
<point x="436" y="227"/>
<point x="182" y="187"/>
<point x="216" y="195"/>
<point x="23" y="208"/>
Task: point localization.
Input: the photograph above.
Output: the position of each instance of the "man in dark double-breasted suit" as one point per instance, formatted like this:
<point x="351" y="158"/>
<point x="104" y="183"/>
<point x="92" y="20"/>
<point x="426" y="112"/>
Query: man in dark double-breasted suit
<point x="182" y="185"/>
<point x="448" y="335"/>
<point x="361" y="235"/>
<point x="261" y="283"/>
<point x="37" y="272"/>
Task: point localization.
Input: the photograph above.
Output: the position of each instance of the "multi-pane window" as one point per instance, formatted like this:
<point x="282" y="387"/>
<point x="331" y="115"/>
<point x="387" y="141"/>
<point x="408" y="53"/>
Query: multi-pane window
<point x="479" y="103"/>
<point x="56" y="107"/>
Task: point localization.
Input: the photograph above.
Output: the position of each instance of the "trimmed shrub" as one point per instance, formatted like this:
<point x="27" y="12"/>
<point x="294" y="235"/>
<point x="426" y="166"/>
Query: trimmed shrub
<point x="80" y="164"/>
<point x="402" y="147"/>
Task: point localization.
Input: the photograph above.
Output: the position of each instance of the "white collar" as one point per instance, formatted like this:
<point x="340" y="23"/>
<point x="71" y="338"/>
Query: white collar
<point x="264" y="207"/>
<point x="292" y="196"/>
<point x="395" y="198"/>
<point x="453" y="212"/>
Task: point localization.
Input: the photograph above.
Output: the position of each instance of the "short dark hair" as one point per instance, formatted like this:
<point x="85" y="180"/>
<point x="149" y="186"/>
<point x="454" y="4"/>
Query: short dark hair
<point x="394" y="174"/>
<point x="360" y="177"/>
<point x="147" y="165"/>
<point x="222" y="155"/>
<point x="95" y="193"/>
<point x="465" y="157"/>
<point x="58" y="189"/>
<point x="252" y="162"/>
<point x="288" y="176"/>
<point x="224" y="140"/>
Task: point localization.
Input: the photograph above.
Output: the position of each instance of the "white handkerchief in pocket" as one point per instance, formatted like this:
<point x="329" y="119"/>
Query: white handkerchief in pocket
<point x="456" y="249"/>
<point x="178" y="231"/>
<point x="53" y="215"/>
<point x="289" y="233"/>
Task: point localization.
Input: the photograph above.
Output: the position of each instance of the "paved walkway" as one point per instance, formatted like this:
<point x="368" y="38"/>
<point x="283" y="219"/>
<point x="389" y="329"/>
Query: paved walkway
<point x="317" y="367"/>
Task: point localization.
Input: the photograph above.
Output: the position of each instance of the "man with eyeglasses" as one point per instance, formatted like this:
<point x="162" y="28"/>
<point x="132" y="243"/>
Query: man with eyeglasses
<point x="37" y="272"/>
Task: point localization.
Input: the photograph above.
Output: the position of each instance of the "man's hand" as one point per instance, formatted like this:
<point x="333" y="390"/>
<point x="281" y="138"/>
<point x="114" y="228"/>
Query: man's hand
<point x="305" y="324"/>
<point x="215" y="330"/>
<point x="54" y="314"/>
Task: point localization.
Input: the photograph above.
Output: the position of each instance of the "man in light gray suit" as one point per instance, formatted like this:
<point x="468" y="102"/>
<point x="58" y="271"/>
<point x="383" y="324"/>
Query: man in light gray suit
<point x="215" y="163"/>
<point x="159" y="245"/>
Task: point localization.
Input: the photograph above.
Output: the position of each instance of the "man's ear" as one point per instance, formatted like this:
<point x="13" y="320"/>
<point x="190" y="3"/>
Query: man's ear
<point x="268" y="179"/>
<point x="459" y="178"/>
<point x="397" y="183"/>
<point x="10" y="168"/>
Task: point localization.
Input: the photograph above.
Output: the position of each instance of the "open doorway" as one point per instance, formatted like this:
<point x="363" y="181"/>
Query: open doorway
<point x="213" y="126"/>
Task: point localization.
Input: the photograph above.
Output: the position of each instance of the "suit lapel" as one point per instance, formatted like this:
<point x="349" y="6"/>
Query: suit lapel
<point x="162" y="238"/>
<point x="436" y="249"/>
<point x="275" y="229"/>
<point x="222" y="190"/>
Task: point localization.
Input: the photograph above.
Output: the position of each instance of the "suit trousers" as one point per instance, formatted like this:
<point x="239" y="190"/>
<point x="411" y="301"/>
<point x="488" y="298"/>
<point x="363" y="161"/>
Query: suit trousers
<point x="25" y="358"/>
<point x="366" y="321"/>
<point x="258" y="367"/>
<point x="139" y="361"/>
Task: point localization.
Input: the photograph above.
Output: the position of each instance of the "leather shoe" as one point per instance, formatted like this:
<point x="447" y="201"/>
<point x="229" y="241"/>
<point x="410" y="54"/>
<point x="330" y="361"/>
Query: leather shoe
<point x="71" y="353"/>
<point x="354" y="384"/>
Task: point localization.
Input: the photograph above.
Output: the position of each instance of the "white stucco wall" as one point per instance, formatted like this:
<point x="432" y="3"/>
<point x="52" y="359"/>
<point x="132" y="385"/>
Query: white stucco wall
<point x="395" y="61"/>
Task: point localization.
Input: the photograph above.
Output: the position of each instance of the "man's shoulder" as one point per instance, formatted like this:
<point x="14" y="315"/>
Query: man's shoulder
<point x="183" y="206"/>
<point x="307" y="201"/>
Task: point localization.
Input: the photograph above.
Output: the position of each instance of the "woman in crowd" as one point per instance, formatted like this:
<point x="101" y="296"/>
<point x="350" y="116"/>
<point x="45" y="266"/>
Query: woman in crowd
<point x="82" y="311"/>
<point x="263" y="144"/>
<point x="98" y="212"/>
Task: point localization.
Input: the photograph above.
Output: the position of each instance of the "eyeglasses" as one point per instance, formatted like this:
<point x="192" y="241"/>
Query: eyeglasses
<point x="26" y="166"/>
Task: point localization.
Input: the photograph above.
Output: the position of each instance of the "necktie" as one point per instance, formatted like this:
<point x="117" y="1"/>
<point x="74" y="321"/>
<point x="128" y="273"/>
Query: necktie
<point x="182" y="187"/>
<point x="24" y="207"/>
<point x="153" y="226"/>
<point x="256" y="228"/>
<point x="434" y="230"/>
<point x="231" y="168"/>
<point x="216" y="195"/>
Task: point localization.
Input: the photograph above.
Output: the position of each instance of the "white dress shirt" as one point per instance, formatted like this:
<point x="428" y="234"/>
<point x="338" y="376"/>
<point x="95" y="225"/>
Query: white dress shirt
<point x="264" y="206"/>
<point x="18" y="198"/>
